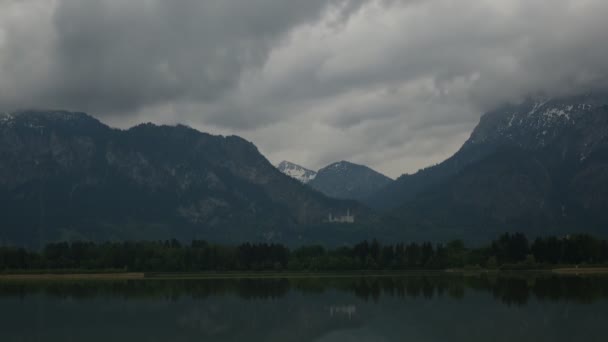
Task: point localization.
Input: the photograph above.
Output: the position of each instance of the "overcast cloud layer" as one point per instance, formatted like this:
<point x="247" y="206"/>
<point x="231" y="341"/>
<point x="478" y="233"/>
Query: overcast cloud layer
<point x="397" y="85"/>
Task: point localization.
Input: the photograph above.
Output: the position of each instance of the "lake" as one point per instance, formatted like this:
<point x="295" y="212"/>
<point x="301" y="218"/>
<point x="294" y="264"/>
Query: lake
<point x="396" y="308"/>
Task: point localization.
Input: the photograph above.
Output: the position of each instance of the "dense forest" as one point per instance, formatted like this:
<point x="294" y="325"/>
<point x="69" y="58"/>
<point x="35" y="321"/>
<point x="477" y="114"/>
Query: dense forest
<point x="510" y="251"/>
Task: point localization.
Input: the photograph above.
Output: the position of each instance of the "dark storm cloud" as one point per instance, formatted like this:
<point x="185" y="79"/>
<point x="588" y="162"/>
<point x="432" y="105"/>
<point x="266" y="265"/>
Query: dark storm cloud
<point x="118" y="56"/>
<point x="396" y="84"/>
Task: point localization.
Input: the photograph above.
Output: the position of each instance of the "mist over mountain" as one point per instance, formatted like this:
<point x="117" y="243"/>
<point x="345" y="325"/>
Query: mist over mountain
<point x="65" y="175"/>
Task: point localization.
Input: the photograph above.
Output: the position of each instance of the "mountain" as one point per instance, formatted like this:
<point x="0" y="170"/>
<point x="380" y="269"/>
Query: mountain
<point x="540" y="166"/>
<point x="533" y="125"/>
<point x="296" y="171"/>
<point x="65" y="175"/>
<point x="348" y="181"/>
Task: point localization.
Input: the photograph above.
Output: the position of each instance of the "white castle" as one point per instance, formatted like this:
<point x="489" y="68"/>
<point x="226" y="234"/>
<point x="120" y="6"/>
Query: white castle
<point x="348" y="218"/>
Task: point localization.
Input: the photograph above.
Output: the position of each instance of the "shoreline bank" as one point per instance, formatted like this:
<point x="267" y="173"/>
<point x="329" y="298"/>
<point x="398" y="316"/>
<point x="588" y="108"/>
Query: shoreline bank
<point x="275" y="275"/>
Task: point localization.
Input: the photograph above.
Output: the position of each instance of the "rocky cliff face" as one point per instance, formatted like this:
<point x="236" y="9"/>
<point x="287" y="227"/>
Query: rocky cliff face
<point x="66" y="175"/>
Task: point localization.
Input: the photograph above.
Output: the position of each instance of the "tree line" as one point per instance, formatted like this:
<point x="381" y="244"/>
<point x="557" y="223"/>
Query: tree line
<point x="508" y="251"/>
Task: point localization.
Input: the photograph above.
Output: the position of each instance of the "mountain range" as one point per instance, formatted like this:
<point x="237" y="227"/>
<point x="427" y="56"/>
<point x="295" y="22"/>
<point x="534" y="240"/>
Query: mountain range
<point x="66" y="175"/>
<point x="539" y="166"/>
<point x="343" y="180"/>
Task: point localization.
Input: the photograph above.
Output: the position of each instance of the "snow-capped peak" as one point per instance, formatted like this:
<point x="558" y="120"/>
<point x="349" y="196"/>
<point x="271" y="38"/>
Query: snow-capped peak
<point x="296" y="171"/>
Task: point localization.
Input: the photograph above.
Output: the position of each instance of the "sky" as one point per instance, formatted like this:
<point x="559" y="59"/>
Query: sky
<point x="397" y="85"/>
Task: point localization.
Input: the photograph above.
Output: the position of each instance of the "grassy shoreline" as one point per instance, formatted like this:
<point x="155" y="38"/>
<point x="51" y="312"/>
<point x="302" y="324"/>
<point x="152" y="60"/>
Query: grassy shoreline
<point x="72" y="276"/>
<point x="105" y="275"/>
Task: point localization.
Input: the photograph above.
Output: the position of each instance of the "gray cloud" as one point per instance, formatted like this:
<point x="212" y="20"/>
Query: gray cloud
<point x="117" y="56"/>
<point x="395" y="84"/>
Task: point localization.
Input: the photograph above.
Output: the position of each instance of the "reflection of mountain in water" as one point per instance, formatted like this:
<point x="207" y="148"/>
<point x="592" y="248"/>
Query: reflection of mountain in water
<point x="417" y="308"/>
<point x="343" y="311"/>
<point x="508" y="289"/>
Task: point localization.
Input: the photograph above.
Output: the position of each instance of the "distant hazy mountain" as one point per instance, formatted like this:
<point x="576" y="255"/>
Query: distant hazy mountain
<point x="540" y="166"/>
<point x="67" y="176"/>
<point x="348" y="181"/>
<point x="296" y="171"/>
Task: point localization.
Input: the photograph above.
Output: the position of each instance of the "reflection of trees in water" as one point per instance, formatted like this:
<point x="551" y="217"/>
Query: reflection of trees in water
<point x="517" y="290"/>
<point x="156" y="288"/>
<point x="510" y="289"/>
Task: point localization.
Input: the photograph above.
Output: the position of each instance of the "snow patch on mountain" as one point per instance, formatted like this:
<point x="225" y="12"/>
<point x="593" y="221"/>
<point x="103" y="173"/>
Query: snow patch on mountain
<point x="342" y="165"/>
<point x="6" y="118"/>
<point x="296" y="171"/>
<point x="535" y="122"/>
<point x="39" y="118"/>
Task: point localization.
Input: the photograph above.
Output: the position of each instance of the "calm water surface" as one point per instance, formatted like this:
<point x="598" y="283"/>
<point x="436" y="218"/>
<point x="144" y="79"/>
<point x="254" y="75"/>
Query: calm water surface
<point x="409" y="308"/>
